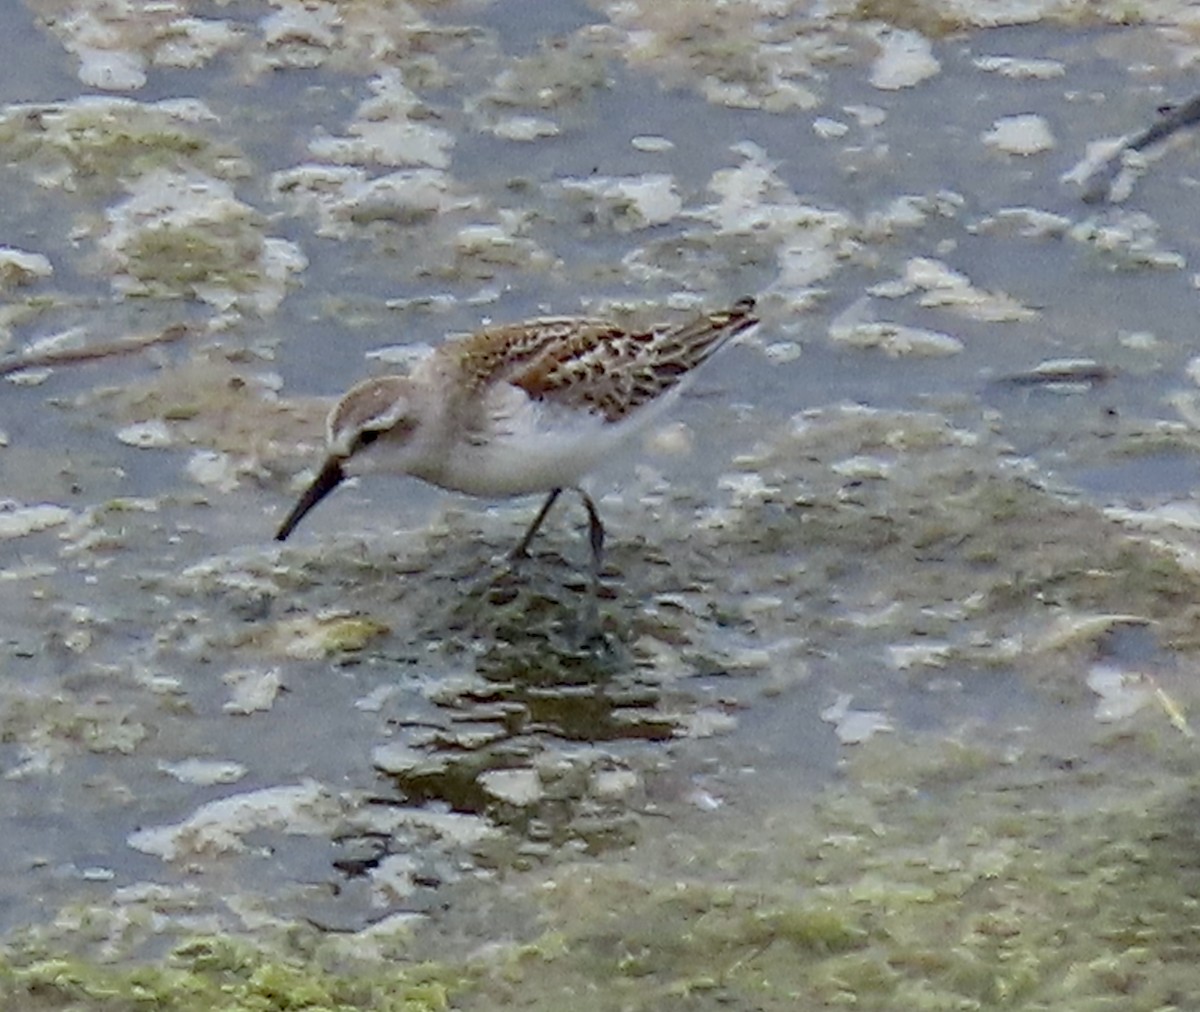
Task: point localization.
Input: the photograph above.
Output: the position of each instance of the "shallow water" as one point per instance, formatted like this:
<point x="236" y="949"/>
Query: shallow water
<point x="879" y="674"/>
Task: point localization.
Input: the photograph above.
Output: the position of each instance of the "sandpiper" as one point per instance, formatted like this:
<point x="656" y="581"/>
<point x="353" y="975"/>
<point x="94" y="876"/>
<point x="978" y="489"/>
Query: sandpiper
<point x="517" y="409"/>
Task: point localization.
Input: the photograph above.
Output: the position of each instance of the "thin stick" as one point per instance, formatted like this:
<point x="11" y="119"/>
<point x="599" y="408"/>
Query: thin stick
<point x="91" y="352"/>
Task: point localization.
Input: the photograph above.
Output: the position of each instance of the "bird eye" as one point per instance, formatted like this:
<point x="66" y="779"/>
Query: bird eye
<point x="367" y="437"/>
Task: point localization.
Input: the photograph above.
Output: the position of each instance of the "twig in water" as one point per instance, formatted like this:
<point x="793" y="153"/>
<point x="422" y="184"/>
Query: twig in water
<point x="91" y="352"/>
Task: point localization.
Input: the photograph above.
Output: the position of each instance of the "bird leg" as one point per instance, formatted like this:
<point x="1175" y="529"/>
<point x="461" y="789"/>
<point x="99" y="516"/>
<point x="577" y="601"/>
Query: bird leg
<point x="595" y="532"/>
<point x="593" y="625"/>
<point x="522" y="550"/>
<point x="595" y="528"/>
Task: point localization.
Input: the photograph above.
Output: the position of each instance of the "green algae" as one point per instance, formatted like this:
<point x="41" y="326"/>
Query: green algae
<point x="96" y="142"/>
<point x="562" y="72"/>
<point x="880" y="903"/>
<point x="215" y="974"/>
<point x="929" y="19"/>
<point x="952" y="524"/>
<point x="176" y="258"/>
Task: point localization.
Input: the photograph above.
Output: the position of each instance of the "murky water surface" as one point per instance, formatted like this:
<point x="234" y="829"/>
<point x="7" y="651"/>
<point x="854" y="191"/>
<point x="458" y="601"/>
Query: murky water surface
<point x="891" y="702"/>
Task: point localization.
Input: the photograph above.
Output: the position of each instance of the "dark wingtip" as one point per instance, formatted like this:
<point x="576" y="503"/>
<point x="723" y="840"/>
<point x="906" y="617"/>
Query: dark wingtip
<point x="327" y="479"/>
<point x="742" y="313"/>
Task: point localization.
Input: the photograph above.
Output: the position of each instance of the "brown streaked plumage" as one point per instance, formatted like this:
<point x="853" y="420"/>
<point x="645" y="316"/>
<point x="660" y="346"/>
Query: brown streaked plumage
<point x="517" y="409"/>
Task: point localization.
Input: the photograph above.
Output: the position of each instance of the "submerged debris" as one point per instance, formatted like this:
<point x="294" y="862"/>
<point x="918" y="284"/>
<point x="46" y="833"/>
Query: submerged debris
<point x="1059" y="374"/>
<point x="1101" y="175"/>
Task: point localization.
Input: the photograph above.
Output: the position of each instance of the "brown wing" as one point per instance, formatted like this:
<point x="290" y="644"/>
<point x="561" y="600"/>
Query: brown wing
<point x="613" y="371"/>
<point x="506" y="352"/>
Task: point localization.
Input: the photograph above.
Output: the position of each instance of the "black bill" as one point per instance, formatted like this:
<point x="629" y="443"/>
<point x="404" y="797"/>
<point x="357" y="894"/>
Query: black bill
<point x="324" y="483"/>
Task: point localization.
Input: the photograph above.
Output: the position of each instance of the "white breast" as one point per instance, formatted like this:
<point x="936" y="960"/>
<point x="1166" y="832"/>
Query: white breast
<point x="530" y="446"/>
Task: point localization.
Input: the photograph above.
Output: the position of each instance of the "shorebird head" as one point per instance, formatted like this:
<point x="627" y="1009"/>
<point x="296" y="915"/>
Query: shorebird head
<point x="366" y="431"/>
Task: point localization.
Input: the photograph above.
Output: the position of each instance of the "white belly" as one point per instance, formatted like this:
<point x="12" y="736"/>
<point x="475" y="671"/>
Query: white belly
<point x="518" y="465"/>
